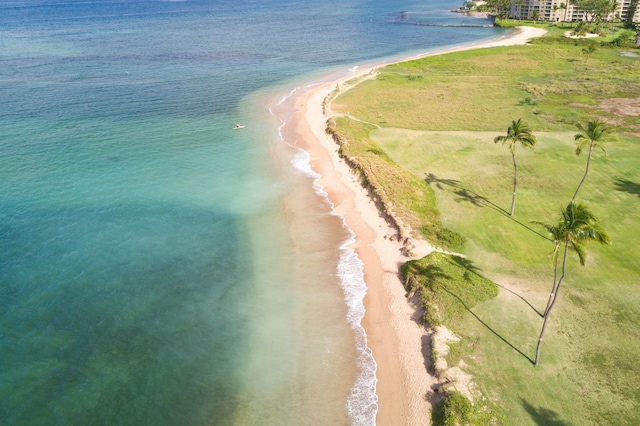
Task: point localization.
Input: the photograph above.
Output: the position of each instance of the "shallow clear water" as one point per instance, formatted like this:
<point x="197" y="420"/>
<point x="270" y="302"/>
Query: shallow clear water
<point x="156" y="266"/>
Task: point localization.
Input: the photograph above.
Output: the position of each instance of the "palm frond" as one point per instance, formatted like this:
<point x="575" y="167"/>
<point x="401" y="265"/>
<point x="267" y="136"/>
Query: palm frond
<point x="596" y="133"/>
<point x="576" y="226"/>
<point x="580" y="251"/>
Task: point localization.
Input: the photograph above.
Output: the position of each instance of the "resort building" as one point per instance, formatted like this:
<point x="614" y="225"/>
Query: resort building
<point x="559" y="10"/>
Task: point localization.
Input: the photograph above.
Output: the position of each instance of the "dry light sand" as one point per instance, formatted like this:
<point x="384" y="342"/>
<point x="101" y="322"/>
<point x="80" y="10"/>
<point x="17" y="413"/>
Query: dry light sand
<point x="400" y="344"/>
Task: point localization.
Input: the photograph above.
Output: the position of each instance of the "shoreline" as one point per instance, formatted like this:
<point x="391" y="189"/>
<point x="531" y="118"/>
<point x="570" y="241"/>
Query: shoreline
<point x="400" y="343"/>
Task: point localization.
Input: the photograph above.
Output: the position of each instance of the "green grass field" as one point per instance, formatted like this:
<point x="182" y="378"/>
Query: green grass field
<point x="438" y="118"/>
<point x="548" y="86"/>
<point x="590" y="351"/>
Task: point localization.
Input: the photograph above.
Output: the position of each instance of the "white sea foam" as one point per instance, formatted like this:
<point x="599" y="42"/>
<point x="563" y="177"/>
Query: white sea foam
<point x="362" y="403"/>
<point x="282" y="124"/>
<point x="287" y="96"/>
<point x="301" y="162"/>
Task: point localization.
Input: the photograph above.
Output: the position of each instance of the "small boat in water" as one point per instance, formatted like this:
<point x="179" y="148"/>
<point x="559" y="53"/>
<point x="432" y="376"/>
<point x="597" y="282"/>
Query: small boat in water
<point x="238" y="126"/>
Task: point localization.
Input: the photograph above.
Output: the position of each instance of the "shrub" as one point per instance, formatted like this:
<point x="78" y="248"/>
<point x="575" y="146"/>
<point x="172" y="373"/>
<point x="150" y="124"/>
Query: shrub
<point x="457" y="410"/>
<point x="449" y="287"/>
<point x="453" y="411"/>
<point x="625" y="38"/>
<point x="451" y="239"/>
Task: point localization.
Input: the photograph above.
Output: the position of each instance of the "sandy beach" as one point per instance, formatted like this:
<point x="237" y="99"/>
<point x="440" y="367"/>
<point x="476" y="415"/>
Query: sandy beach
<point x="400" y="343"/>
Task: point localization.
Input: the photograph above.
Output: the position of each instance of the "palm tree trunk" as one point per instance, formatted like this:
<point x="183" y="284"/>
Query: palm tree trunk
<point x="515" y="171"/>
<point x="585" y="174"/>
<point x="553" y="289"/>
<point x="553" y="300"/>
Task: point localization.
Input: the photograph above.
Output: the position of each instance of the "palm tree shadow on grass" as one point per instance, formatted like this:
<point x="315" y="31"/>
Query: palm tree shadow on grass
<point x="625" y="185"/>
<point x="434" y="272"/>
<point x="543" y="416"/>
<point x="463" y="193"/>
<point x="508" y="343"/>
<point x="469" y="266"/>
<point x="466" y="195"/>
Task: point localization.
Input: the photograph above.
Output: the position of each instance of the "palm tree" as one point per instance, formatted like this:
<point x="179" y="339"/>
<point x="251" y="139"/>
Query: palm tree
<point x="595" y="134"/>
<point x="588" y="51"/>
<point x="581" y="29"/>
<point x="517" y="132"/>
<point x="520" y="3"/>
<point x="577" y="226"/>
<point x="535" y="15"/>
<point x="558" y="235"/>
<point x="564" y="7"/>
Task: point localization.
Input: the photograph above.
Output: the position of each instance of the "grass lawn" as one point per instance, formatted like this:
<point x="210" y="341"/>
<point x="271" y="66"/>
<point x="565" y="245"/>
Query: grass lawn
<point x="548" y="86"/>
<point x="590" y="352"/>
<point x="438" y="117"/>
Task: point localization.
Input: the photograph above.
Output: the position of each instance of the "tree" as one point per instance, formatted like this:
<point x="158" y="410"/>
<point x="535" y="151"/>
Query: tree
<point x="628" y="22"/>
<point x="595" y="134"/>
<point x="616" y="18"/>
<point x="535" y="14"/>
<point x="517" y="132"/>
<point x="624" y="38"/>
<point x="577" y="226"/>
<point x="558" y="7"/>
<point x="564" y="13"/>
<point x="558" y="235"/>
<point x="596" y="10"/>
<point x="588" y="51"/>
<point x="581" y="29"/>
<point x="501" y="7"/>
<point x="520" y="3"/>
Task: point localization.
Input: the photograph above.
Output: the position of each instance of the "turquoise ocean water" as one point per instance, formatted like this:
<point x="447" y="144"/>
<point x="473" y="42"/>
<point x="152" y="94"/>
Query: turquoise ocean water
<point x="158" y="267"/>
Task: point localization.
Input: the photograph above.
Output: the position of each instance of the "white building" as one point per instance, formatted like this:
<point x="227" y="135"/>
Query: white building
<point x="562" y="10"/>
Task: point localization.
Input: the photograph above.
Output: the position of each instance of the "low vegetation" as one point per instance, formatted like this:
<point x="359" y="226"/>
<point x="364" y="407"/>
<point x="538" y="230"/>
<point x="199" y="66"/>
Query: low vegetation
<point x="449" y="287"/>
<point x="404" y="199"/>
<point x="429" y="125"/>
<point x="456" y="409"/>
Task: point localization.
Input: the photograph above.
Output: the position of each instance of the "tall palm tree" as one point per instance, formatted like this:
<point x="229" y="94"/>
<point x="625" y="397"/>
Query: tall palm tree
<point x="517" y="132"/>
<point x="577" y="226"/>
<point x="594" y="135"/>
<point x="564" y="7"/>
<point x="558" y="234"/>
